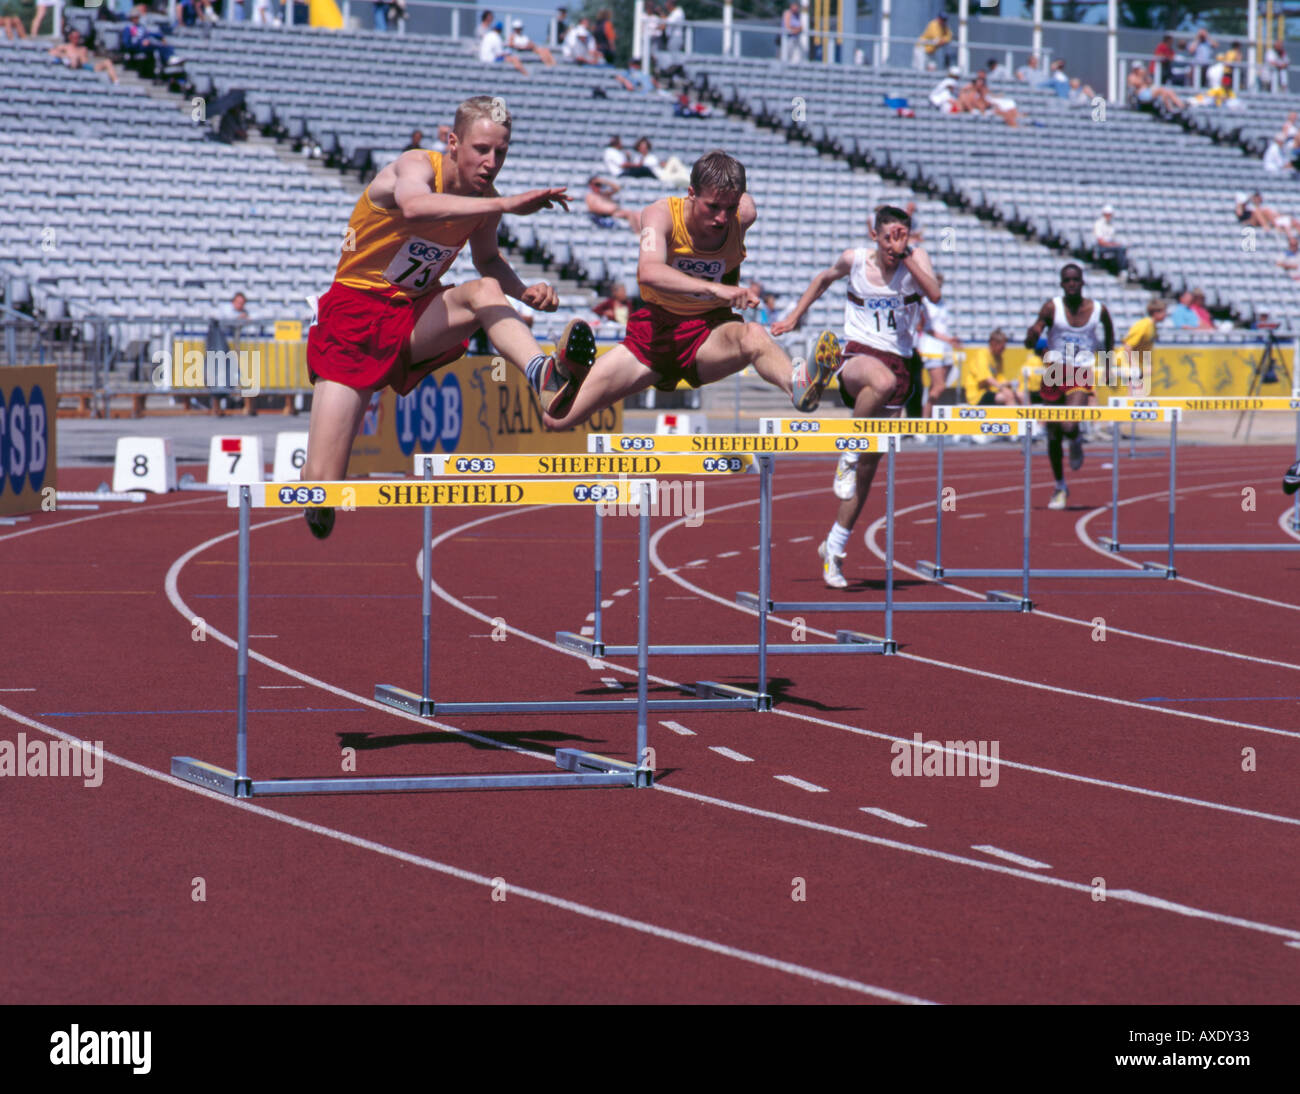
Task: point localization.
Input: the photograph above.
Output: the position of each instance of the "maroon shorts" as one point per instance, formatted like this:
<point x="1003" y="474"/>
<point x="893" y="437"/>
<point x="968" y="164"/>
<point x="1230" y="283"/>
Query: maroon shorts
<point x="1054" y="393"/>
<point x="897" y="365"/>
<point x="361" y="339"/>
<point x="668" y="343"/>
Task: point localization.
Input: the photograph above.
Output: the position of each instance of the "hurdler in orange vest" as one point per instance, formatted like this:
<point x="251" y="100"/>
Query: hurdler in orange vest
<point x="388" y="320"/>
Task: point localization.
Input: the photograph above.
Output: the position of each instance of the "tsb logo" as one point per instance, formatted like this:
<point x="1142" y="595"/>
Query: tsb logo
<point x="709" y="269"/>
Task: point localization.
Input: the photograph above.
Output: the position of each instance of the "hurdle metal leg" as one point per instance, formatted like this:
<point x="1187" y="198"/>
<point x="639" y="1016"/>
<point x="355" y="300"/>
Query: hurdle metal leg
<point x="577" y="768"/>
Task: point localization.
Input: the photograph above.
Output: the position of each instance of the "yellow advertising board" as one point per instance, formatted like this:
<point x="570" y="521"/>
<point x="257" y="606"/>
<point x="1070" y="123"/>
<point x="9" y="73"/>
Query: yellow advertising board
<point x="29" y="397"/>
<point x="469" y="406"/>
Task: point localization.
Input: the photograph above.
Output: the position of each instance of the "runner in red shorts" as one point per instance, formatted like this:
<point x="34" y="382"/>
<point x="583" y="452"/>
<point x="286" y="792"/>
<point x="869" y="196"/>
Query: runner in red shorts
<point x="1077" y="327"/>
<point x="882" y="316"/>
<point x="387" y="320"/>
<point x="689" y="278"/>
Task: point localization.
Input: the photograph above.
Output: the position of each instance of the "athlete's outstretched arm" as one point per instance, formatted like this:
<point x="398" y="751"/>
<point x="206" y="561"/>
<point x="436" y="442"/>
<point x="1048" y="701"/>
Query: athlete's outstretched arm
<point x="414" y="196"/>
<point x="489" y="261"/>
<point x="818" y="285"/>
<point x="1043" y="321"/>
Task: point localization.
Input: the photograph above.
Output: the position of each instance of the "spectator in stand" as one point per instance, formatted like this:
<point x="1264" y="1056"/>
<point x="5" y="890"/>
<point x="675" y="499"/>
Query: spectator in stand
<point x="1058" y="81"/>
<point x="236" y="310"/>
<point x="417" y="140"/>
<point x="1106" y="248"/>
<point x="1133" y="354"/>
<point x="672" y="170"/>
<point x="792" y="33"/>
<point x="492" y="50"/>
<point x="521" y="43"/>
<point x="485" y="22"/>
<point x="73" y="54"/>
<point x="1183" y="317"/>
<point x="1144" y="93"/>
<point x="561" y="25"/>
<point x="945" y="96"/>
<point x="615" y="156"/>
<point x="675" y="26"/>
<point x="768" y="309"/>
<point x="1277" y="157"/>
<point x="932" y="46"/>
<point x="1251" y="210"/>
<point x="10" y="20"/>
<point x="1277" y="65"/>
<point x="984" y="378"/>
<point x="1180" y="68"/>
<point x="983" y="103"/>
<point x="684" y="108"/>
<point x="580" y="45"/>
<point x="614" y="309"/>
<point x="994" y="72"/>
<point x="1029" y="72"/>
<point x="1202" y="313"/>
<point x="138" y="40"/>
<point x="440" y="142"/>
<point x="653" y="22"/>
<point x="602" y="207"/>
<point x="604" y="35"/>
<point x="1202" y="50"/>
<point x="1081" y="94"/>
<point x="634" y="79"/>
<point x="1164" y="56"/>
<point x="1229" y="58"/>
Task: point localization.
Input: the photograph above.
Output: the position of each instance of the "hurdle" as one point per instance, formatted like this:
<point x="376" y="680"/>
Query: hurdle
<point x="936" y="569"/>
<point x="726" y="446"/>
<point x="709" y="694"/>
<point x="1190" y="404"/>
<point x="995" y="601"/>
<point x="577" y="768"/>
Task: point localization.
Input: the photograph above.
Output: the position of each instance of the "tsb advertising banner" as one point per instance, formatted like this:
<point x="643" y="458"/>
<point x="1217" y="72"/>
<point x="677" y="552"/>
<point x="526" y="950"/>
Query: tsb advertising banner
<point x="28" y="399"/>
<point x="469" y="406"/>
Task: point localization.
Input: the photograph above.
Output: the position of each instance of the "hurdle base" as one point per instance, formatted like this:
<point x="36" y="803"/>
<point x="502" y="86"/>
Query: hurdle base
<point x="993" y="602"/>
<point x="424" y="707"/>
<point x="711" y="689"/>
<point x="577" y="768"/>
<point x="1021" y="603"/>
<point x="579" y="644"/>
<point x="872" y="645"/>
<point x="930" y="570"/>
<point x="1111" y="545"/>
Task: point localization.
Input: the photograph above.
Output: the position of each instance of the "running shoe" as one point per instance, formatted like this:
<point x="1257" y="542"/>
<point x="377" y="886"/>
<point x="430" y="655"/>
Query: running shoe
<point x="320" y="521"/>
<point x="831" y="567"/>
<point x="575" y="353"/>
<point x="1076" y="452"/>
<point x="846" y="477"/>
<point x="809" y="378"/>
<point x="1291" y="480"/>
<point x="1060" y="499"/>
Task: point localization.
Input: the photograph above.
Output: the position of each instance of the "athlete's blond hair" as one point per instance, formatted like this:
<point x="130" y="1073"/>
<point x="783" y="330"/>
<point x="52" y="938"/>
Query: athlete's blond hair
<point x="491" y="107"/>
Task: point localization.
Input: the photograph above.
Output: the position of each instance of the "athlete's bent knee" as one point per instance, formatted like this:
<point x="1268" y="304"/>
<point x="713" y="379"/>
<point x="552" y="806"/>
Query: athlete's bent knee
<point x="486" y="292"/>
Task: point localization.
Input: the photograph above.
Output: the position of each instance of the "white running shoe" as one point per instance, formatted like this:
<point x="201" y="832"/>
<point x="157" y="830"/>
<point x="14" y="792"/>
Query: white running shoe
<point x="831" y="574"/>
<point x="1060" y="499"/>
<point x="846" y="477"/>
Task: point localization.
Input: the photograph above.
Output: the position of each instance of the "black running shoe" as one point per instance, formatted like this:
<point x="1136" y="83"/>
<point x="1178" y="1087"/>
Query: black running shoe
<point x="320" y="521"/>
<point x="1291" y="480"/>
<point x="575" y="354"/>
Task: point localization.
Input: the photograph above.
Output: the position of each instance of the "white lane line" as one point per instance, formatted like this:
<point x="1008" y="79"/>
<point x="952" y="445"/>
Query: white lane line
<point x="263" y="636"/>
<point x="970" y="516"/>
<point x="104" y="516"/>
<point x="927" y="520"/>
<point x="696" y="562"/>
<point x="729" y="554"/>
<point x="585" y="910"/>
<point x="621" y="592"/>
<point x="611" y="682"/>
<point x="678" y="728"/>
<point x="282" y="687"/>
<point x="591" y="617"/>
<point x="801" y="539"/>
<point x="739" y="757"/>
<point x="885" y="814"/>
<point x="1019" y="860"/>
<point x="606" y="603"/>
<point x="592" y="663"/>
<point x="587" y="632"/>
<point x="1295" y="944"/>
<point x="980" y="864"/>
<point x="17" y="689"/>
<point x="802" y="784"/>
<point x="483" y="596"/>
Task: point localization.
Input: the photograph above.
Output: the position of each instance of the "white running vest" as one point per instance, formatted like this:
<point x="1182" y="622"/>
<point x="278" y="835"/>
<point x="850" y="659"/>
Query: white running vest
<point x="882" y="318"/>
<point x="1085" y="340"/>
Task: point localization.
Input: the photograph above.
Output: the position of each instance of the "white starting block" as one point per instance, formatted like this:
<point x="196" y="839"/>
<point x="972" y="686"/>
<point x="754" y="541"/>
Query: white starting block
<point x="672" y="423"/>
<point x="235" y="460"/>
<point x="290" y="455"/>
<point x="144" y="463"/>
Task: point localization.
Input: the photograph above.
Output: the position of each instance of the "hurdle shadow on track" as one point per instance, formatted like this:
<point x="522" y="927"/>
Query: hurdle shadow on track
<point x="780" y="690"/>
<point x="373" y="742"/>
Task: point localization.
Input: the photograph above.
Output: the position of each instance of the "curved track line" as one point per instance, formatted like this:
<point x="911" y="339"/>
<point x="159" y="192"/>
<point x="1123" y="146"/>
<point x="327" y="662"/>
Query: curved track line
<point x="562" y="903"/>
<point x="135" y="509"/>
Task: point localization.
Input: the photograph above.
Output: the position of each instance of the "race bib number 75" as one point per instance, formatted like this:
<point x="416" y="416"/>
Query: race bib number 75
<point x="419" y="264"/>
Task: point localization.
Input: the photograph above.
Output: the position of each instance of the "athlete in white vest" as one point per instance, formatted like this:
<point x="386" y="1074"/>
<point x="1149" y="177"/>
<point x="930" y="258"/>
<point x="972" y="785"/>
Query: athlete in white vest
<point x="1077" y="327"/>
<point x="887" y="284"/>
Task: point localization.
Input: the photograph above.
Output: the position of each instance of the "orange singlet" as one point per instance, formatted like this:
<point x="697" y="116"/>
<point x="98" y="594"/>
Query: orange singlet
<point x="722" y="265"/>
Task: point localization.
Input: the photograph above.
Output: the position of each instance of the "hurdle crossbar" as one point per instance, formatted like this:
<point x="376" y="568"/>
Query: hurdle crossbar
<point x="1187" y="404"/>
<point x="576" y="767"/>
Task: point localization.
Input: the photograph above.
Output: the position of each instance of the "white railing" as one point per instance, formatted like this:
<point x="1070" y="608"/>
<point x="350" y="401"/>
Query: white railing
<point x="1196" y="73"/>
